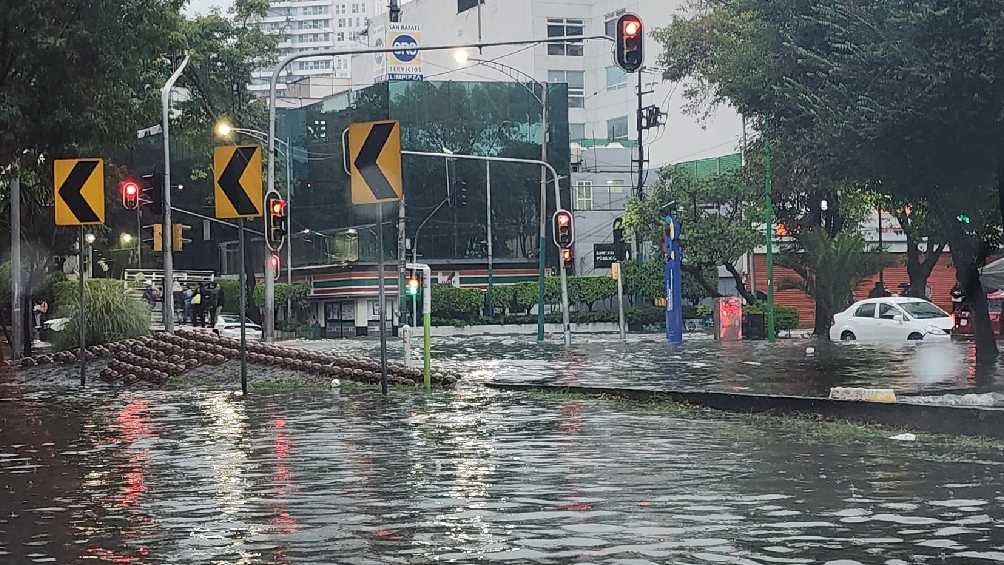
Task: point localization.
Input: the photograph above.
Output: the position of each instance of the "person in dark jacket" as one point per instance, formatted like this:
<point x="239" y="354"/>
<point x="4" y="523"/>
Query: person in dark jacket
<point x="199" y="307"/>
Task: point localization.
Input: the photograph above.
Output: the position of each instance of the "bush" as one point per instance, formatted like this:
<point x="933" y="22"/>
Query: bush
<point x="785" y="317"/>
<point x="590" y="290"/>
<point x="456" y="303"/>
<point x="638" y="318"/>
<point x="111" y="315"/>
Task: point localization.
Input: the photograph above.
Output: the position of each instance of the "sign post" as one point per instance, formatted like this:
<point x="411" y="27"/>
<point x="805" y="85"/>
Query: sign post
<point x="615" y="272"/>
<point x="375" y="170"/>
<point x="79" y="201"/>
<point x="426" y="320"/>
<point x="673" y="279"/>
<point x="238" y="195"/>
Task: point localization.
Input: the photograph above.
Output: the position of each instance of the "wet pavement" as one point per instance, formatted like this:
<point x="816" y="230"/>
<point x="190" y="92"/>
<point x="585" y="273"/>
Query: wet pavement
<point x="478" y="476"/>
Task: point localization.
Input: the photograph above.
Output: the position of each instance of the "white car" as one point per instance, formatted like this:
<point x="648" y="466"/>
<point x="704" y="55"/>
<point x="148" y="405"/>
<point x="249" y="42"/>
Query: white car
<point x="894" y="318"/>
<point x="229" y="325"/>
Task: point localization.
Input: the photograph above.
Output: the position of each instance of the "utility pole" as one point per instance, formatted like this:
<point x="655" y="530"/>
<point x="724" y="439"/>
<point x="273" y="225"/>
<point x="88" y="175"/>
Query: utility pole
<point x="395" y="11"/>
<point x="768" y="174"/>
<point x="165" y="100"/>
<point x="17" y="316"/>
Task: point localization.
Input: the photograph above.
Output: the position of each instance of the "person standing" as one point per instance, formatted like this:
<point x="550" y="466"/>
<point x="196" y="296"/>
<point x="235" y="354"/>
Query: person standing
<point x="189" y="293"/>
<point x="198" y="307"/>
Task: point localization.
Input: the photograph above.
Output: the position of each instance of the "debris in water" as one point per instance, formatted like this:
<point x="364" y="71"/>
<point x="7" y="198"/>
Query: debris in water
<point x="904" y="437"/>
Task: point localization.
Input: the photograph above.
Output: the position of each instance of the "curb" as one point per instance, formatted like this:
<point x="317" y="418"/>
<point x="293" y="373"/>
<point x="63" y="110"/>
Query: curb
<point x="953" y="420"/>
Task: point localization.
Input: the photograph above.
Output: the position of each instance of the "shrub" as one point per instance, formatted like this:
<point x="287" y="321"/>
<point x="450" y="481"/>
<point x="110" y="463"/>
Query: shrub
<point x="456" y="303"/>
<point x="785" y="317"/>
<point x="638" y="318"/>
<point x="589" y="290"/>
<point x="111" y="314"/>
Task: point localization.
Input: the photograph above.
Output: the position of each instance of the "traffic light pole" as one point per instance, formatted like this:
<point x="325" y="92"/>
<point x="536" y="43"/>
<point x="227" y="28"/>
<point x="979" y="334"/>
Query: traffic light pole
<point x="426" y="319"/>
<point x="18" y="327"/>
<point x="165" y="103"/>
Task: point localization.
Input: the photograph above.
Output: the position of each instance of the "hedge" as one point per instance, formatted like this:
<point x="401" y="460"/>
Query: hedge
<point x="785" y="317"/>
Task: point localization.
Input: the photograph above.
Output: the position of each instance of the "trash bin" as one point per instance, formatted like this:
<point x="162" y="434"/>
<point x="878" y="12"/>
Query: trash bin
<point x="754" y="326"/>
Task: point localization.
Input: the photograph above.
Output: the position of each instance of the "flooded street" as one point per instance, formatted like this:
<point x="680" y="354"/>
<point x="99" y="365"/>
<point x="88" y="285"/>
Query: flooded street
<point x="475" y="475"/>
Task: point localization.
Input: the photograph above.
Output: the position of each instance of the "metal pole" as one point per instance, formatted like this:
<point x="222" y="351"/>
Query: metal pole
<point x="165" y="103"/>
<point x="426" y="320"/>
<point x="289" y="223"/>
<point x="882" y="268"/>
<point x="243" y="313"/>
<point x="620" y="303"/>
<point x="402" y="260"/>
<point x="769" y="207"/>
<point x="488" y="212"/>
<point x="381" y="305"/>
<point x="17" y="316"/>
<point x="82" y="314"/>
<point x="542" y="251"/>
<point x="139" y="239"/>
<point x="268" y="315"/>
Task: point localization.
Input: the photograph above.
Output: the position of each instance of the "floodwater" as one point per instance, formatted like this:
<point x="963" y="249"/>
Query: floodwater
<point x="646" y="361"/>
<point x="480" y="476"/>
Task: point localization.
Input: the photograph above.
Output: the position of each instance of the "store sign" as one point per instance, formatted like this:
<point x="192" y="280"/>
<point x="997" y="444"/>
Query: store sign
<point x="405" y="63"/>
<point x="604" y="255"/>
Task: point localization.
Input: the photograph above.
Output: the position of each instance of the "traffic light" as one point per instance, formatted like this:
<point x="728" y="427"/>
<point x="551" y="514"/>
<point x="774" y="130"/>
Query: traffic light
<point x="567" y="257"/>
<point x="152" y="193"/>
<point x="413" y="285"/>
<point x="458" y="196"/>
<point x="178" y="241"/>
<point x="965" y="219"/>
<point x="158" y="237"/>
<point x="273" y="261"/>
<point x="630" y="43"/>
<point x="564" y="232"/>
<point x="130" y="191"/>
<point x="620" y="248"/>
<point x="275" y="228"/>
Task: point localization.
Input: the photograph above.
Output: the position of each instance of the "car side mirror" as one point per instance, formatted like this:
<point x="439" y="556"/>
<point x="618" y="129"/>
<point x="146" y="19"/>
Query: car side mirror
<point x="898" y="318"/>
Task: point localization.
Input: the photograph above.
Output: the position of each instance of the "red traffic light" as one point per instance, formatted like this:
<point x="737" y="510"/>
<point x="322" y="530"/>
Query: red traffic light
<point x="130" y="190"/>
<point x="563" y="218"/>
<point x="273" y="262"/>
<point x="564" y="234"/>
<point x="277" y="207"/>
<point x="632" y="28"/>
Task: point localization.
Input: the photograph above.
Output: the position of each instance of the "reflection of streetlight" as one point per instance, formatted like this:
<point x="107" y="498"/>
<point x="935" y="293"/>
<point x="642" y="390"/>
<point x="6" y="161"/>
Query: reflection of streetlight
<point x="125" y="238"/>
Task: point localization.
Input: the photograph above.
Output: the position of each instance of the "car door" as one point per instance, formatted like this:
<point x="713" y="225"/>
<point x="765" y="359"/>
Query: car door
<point x="862" y="321"/>
<point x="887" y="327"/>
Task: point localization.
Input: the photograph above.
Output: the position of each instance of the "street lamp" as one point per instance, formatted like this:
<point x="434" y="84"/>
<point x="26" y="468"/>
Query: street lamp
<point x="462" y="56"/>
<point x="125" y="238"/>
<point x="89" y="238"/>
<point x="225" y="130"/>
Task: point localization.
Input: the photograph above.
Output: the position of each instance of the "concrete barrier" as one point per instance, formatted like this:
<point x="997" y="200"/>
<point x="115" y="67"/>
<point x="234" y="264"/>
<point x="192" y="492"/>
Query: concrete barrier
<point x="956" y="420"/>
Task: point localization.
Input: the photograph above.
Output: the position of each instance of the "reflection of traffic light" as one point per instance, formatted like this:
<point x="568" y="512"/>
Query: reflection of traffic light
<point x="275" y="228"/>
<point x="129" y="189"/>
<point x="630" y="43"/>
<point x="567" y="257"/>
<point x="564" y="232"/>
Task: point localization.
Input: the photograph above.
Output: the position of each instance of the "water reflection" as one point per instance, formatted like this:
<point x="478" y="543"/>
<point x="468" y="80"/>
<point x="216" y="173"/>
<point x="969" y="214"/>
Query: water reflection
<point x="469" y="476"/>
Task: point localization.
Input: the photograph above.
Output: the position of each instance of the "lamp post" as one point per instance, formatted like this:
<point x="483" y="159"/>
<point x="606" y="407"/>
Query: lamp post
<point x="512" y="72"/>
<point x="285" y="149"/>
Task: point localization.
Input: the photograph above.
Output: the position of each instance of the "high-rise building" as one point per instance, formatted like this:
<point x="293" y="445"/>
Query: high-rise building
<point x="310" y="25"/>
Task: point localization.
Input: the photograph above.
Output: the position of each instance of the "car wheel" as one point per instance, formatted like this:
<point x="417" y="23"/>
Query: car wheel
<point x="848" y="336"/>
<point x="915" y="337"/>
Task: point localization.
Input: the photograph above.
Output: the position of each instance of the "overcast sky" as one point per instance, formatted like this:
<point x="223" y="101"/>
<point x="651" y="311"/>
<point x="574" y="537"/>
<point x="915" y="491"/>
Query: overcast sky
<point x="204" y="6"/>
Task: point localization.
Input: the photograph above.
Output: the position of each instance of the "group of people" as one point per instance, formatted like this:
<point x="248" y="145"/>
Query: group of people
<point x="198" y="306"/>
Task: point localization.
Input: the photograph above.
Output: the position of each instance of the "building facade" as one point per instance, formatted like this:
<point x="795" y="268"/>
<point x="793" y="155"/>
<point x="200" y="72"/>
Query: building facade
<point x="310" y="25"/>
<point x="602" y="100"/>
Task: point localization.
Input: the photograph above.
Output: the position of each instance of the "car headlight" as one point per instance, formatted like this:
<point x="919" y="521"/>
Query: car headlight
<point x="936" y="330"/>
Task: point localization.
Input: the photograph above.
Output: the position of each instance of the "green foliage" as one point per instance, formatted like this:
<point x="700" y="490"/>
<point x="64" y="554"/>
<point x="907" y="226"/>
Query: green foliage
<point x="589" y="290"/>
<point x="785" y="317"/>
<point x="702" y="311"/>
<point x="231" y="294"/>
<point x="110" y="314"/>
<point x="645" y="279"/>
<point x="639" y="318"/>
<point x="456" y="303"/>
<point x="829" y="270"/>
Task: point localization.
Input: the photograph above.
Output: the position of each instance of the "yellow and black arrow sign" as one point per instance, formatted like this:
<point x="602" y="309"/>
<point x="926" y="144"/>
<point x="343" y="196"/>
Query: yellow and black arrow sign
<point x="238" y="191"/>
<point x="375" y="150"/>
<point x="79" y="191"/>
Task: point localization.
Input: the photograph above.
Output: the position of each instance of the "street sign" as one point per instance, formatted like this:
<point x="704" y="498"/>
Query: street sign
<point x="79" y="191"/>
<point x="238" y="188"/>
<point x="604" y="255"/>
<point x="375" y="157"/>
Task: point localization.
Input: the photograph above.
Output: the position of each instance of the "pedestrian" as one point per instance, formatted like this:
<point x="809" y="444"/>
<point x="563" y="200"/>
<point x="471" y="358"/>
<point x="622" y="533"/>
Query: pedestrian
<point x="198" y="309"/>
<point x="957" y="298"/>
<point x="879" y="291"/>
<point x="178" y="293"/>
<point x="220" y="298"/>
<point x="188" y="294"/>
<point x="209" y="305"/>
<point x="149" y="293"/>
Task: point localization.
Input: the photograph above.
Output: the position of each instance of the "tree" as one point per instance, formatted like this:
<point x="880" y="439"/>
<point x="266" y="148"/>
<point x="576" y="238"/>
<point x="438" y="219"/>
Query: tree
<point x="904" y="95"/>
<point x="589" y="290"/>
<point x="720" y="216"/>
<point x="829" y="268"/>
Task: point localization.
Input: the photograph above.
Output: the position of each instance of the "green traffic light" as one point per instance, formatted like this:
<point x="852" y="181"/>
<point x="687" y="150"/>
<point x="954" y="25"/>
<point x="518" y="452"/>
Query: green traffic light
<point x="965" y="219"/>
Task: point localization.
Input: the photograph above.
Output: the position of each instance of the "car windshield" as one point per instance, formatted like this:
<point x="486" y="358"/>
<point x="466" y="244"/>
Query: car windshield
<point x="923" y="310"/>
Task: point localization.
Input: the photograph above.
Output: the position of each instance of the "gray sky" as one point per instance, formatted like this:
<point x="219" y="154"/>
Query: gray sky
<point x="204" y="6"/>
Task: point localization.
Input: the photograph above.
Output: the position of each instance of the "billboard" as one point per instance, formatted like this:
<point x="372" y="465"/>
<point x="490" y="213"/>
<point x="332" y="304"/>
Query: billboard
<point x="405" y="64"/>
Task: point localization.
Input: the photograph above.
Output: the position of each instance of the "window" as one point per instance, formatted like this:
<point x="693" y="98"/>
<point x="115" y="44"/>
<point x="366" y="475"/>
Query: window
<point x="341" y="36"/>
<point x="617" y="128"/>
<point x="865" y="311"/>
<point x="576" y="86"/>
<point x="584" y="195"/>
<point x="923" y="310"/>
<point x="616" y="78"/>
<point x="341" y="22"/>
<point x="464" y="5"/>
<point x="576" y="132"/>
<point x="888" y="311"/>
<point x="355" y="8"/>
<point x="610" y="27"/>
<point x="558" y="27"/>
